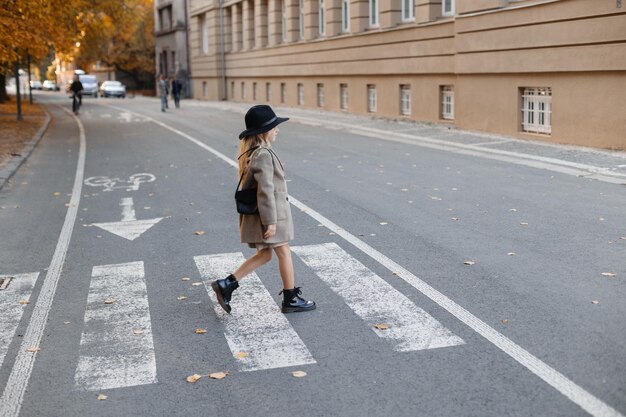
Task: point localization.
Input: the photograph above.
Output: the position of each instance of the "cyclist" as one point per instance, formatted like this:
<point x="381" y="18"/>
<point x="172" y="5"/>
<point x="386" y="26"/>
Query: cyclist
<point x="76" y="88"/>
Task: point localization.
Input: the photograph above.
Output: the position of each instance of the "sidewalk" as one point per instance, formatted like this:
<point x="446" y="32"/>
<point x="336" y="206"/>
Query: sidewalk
<point x="603" y="165"/>
<point x="18" y="139"/>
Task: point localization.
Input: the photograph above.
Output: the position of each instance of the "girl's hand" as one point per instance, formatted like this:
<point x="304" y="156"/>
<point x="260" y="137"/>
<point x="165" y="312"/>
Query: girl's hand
<point x="270" y="231"/>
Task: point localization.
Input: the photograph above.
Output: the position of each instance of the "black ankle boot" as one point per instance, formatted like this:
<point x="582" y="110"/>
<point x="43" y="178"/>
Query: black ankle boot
<point x="224" y="289"/>
<point x="293" y="303"/>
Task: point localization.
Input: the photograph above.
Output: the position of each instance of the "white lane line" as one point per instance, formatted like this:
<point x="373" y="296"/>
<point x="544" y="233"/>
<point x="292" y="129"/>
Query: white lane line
<point x="258" y="334"/>
<point x="13" y="395"/>
<point x="551" y="376"/>
<point x="11" y="309"/>
<point x="116" y="347"/>
<point x="375" y="301"/>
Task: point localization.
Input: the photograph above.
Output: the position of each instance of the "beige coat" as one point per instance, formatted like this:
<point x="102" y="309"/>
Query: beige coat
<point x="265" y="172"/>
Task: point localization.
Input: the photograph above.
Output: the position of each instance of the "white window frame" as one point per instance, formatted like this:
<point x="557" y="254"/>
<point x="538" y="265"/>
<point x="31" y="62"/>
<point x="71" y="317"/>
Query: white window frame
<point x="537" y="110"/>
<point x="408" y="10"/>
<point x="447" y="7"/>
<point x="283" y="20"/>
<point x="345" y="16"/>
<point x="371" y="98"/>
<point x="320" y="95"/>
<point x="204" y="33"/>
<point x="301" y="19"/>
<point x="343" y="96"/>
<point x="321" y="18"/>
<point x="373" y="11"/>
<point x="447" y="102"/>
<point x="405" y="100"/>
<point x="283" y="93"/>
<point x="300" y="94"/>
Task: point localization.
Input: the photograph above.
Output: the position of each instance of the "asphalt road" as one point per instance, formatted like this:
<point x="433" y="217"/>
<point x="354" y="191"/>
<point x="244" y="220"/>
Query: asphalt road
<point x="493" y="277"/>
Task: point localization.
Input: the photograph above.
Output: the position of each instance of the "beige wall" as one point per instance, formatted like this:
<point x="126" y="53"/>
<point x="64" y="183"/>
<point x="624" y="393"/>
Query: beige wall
<point x="488" y="51"/>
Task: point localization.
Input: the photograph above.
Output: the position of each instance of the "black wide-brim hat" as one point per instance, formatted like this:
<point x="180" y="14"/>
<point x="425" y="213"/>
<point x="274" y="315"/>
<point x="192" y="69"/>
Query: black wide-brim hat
<point x="260" y="119"/>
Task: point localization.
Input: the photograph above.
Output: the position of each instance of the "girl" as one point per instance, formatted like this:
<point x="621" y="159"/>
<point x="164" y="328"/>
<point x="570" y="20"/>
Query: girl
<point x="272" y="228"/>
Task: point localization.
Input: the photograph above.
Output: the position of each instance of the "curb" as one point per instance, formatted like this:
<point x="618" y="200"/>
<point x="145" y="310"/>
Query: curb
<point x="14" y="163"/>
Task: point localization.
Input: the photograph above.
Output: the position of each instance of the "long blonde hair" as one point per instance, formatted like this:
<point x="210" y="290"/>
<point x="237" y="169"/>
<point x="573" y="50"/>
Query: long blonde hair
<point x="245" y="145"/>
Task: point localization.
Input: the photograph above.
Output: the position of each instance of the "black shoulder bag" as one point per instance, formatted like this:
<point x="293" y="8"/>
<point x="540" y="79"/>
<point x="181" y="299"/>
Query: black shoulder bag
<point x="246" y="199"/>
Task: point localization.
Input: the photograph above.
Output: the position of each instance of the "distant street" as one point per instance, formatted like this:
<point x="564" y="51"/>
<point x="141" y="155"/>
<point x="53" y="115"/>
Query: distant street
<point x="456" y="274"/>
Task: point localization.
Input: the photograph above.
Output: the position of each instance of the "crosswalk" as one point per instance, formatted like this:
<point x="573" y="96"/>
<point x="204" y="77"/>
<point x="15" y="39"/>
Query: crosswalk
<point x="116" y="347"/>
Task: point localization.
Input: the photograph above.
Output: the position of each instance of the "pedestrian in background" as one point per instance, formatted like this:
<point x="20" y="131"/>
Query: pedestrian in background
<point x="177" y="88"/>
<point x="271" y="228"/>
<point x="77" y="91"/>
<point x="162" y="86"/>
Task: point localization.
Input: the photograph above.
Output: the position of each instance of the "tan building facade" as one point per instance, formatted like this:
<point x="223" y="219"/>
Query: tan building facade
<point x="552" y="70"/>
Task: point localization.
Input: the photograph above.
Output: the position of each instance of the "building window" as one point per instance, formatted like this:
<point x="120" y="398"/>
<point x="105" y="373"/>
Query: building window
<point x="371" y="98"/>
<point x="405" y="100"/>
<point x="283" y="93"/>
<point x="204" y="88"/>
<point x="322" y="18"/>
<point x="268" y="92"/>
<point x="537" y="110"/>
<point x="343" y="96"/>
<point x="373" y="12"/>
<point x="232" y="90"/>
<point x="447" y="7"/>
<point x="300" y="94"/>
<point x="165" y="18"/>
<point x="283" y="20"/>
<point x="243" y="90"/>
<point x="301" y="19"/>
<point x="447" y="102"/>
<point x="408" y="10"/>
<point x="345" y="15"/>
<point x="253" y="91"/>
<point x="320" y="95"/>
<point x="205" y="35"/>
<point x="173" y="63"/>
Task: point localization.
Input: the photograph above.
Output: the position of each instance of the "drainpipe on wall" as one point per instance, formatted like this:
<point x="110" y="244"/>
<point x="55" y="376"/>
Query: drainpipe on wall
<point x="224" y="95"/>
<point x="188" y="78"/>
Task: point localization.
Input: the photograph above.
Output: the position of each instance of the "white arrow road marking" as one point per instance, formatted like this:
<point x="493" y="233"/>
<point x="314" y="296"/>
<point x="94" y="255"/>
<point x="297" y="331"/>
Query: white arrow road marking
<point x="129" y="228"/>
<point x="11" y="310"/>
<point x="375" y="301"/>
<point x="116" y="347"/>
<point x="256" y="326"/>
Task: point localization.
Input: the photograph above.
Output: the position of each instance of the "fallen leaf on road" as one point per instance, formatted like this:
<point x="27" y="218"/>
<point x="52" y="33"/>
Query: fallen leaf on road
<point x="504" y="321"/>
<point x="218" y="375"/>
<point x="511" y="254"/>
<point x="185" y="279"/>
<point x="101" y="397"/>
<point x="595" y="302"/>
<point x="298" y="374"/>
<point x="137" y="331"/>
<point x="195" y="284"/>
<point x="66" y="322"/>
<point x="605" y="274"/>
<point x="199" y="232"/>
<point x="193" y="378"/>
<point x="241" y="355"/>
<point x="383" y="223"/>
<point x="56" y="194"/>
<point x="181" y="298"/>
<point x="23" y="302"/>
<point x="382" y="326"/>
<point x="109" y="301"/>
<point x="432" y="197"/>
<point x="512" y="209"/>
<point x="469" y="262"/>
<point x="455" y="218"/>
<point x="622" y="238"/>
<point x="33" y="349"/>
<point x="200" y="331"/>
<point x="524" y="224"/>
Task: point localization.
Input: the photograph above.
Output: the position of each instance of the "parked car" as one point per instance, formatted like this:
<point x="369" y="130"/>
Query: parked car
<point x="113" y="88"/>
<point x="49" y="85"/>
<point x="35" y="85"/>
<point x="90" y="85"/>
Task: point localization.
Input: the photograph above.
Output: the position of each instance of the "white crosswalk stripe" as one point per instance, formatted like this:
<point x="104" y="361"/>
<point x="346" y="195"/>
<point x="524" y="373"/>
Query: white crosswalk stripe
<point x="116" y="347"/>
<point x="18" y="290"/>
<point x="375" y="301"/>
<point x="258" y="334"/>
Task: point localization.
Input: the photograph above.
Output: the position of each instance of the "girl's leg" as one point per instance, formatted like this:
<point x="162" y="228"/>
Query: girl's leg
<point x="261" y="257"/>
<point x="285" y="266"/>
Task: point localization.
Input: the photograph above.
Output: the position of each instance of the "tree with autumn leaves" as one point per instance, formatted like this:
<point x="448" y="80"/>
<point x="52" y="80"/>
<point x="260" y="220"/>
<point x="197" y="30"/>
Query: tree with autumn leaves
<point x="118" y="33"/>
